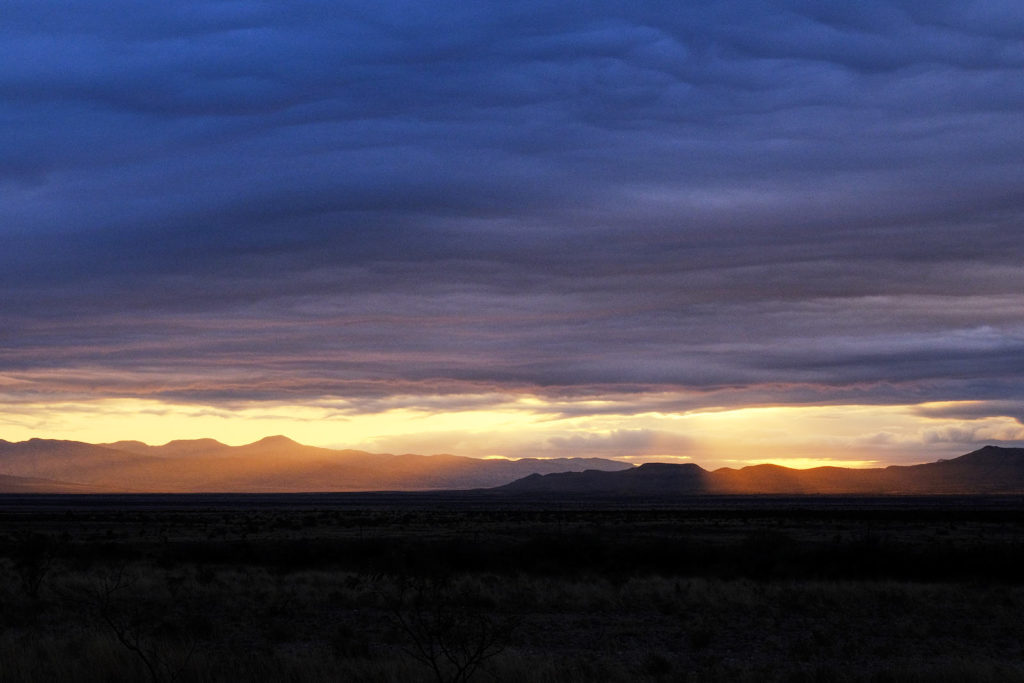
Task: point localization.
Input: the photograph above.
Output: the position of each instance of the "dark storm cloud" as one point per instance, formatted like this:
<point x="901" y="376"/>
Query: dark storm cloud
<point x="751" y="202"/>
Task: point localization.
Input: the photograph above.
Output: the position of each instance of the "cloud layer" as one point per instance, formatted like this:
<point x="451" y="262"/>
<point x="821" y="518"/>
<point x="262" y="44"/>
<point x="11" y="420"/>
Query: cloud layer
<point x="746" y="203"/>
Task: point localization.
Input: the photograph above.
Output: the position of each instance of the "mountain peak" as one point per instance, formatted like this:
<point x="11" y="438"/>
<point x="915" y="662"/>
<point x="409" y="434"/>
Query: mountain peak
<point x="275" y="440"/>
<point x="665" y="467"/>
<point x="991" y="455"/>
<point x="191" y="442"/>
<point x="124" y="443"/>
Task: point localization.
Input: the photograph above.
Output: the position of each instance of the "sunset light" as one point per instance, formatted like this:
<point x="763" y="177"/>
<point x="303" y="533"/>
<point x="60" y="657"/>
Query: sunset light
<point x="397" y="341"/>
<point x="720" y="234"/>
<point x="518" y="427"/>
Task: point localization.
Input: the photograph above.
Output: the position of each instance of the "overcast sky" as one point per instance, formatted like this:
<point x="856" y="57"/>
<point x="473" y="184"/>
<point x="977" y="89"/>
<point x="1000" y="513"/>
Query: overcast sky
<point x="608" y="208"/>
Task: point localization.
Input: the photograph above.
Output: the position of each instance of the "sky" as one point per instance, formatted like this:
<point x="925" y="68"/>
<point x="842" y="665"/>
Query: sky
<point x="718" y="232"/>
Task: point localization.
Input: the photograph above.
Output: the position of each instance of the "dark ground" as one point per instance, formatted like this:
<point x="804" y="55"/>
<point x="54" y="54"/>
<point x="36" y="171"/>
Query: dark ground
<point x="476" y="587"/>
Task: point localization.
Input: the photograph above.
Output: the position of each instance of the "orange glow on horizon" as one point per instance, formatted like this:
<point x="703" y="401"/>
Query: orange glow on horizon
<point x="531" y="426"/>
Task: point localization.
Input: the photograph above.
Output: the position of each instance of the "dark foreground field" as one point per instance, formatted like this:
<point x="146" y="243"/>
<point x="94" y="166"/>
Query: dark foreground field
<point x="462" y="587"/>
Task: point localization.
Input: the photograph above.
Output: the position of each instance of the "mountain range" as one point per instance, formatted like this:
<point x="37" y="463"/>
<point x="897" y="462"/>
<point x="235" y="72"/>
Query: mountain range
<point x="273" y="464"/>
<point x="278" y="464"/>
<point x="988" y="470"/>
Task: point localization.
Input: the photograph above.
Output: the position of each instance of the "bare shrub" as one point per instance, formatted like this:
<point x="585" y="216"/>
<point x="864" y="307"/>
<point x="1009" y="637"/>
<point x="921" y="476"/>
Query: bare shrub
<point x="158" y="633"/>
<point x="448" y="626"/>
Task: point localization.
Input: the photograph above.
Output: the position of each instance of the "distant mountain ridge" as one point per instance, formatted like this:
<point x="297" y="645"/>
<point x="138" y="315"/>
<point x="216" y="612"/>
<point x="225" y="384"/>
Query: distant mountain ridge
<point x="272" y="464"/>
<point x="278" y="464"/>
<point x="985" y="471"/>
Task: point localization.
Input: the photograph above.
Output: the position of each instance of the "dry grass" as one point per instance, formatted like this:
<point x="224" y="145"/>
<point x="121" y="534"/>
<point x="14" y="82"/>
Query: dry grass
<point x="197" y="607"/>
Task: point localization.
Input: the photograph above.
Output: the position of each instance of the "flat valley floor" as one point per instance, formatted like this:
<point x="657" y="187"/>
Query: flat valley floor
<point x="472" y="587"/>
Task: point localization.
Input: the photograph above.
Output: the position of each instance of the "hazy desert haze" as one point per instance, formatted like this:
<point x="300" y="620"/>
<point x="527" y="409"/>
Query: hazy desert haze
<point x="279" y="464"/>
<point x="272" y="464"/>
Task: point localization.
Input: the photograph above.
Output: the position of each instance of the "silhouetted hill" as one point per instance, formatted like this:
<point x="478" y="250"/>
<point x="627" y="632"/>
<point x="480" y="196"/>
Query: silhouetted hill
<point x="653" y="478"/>
<point x="988" y="470"/>
<point x="272" y="464"/>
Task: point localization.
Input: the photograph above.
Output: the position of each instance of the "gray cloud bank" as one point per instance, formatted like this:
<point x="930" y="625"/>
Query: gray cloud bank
<point x="757" y="202"/>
